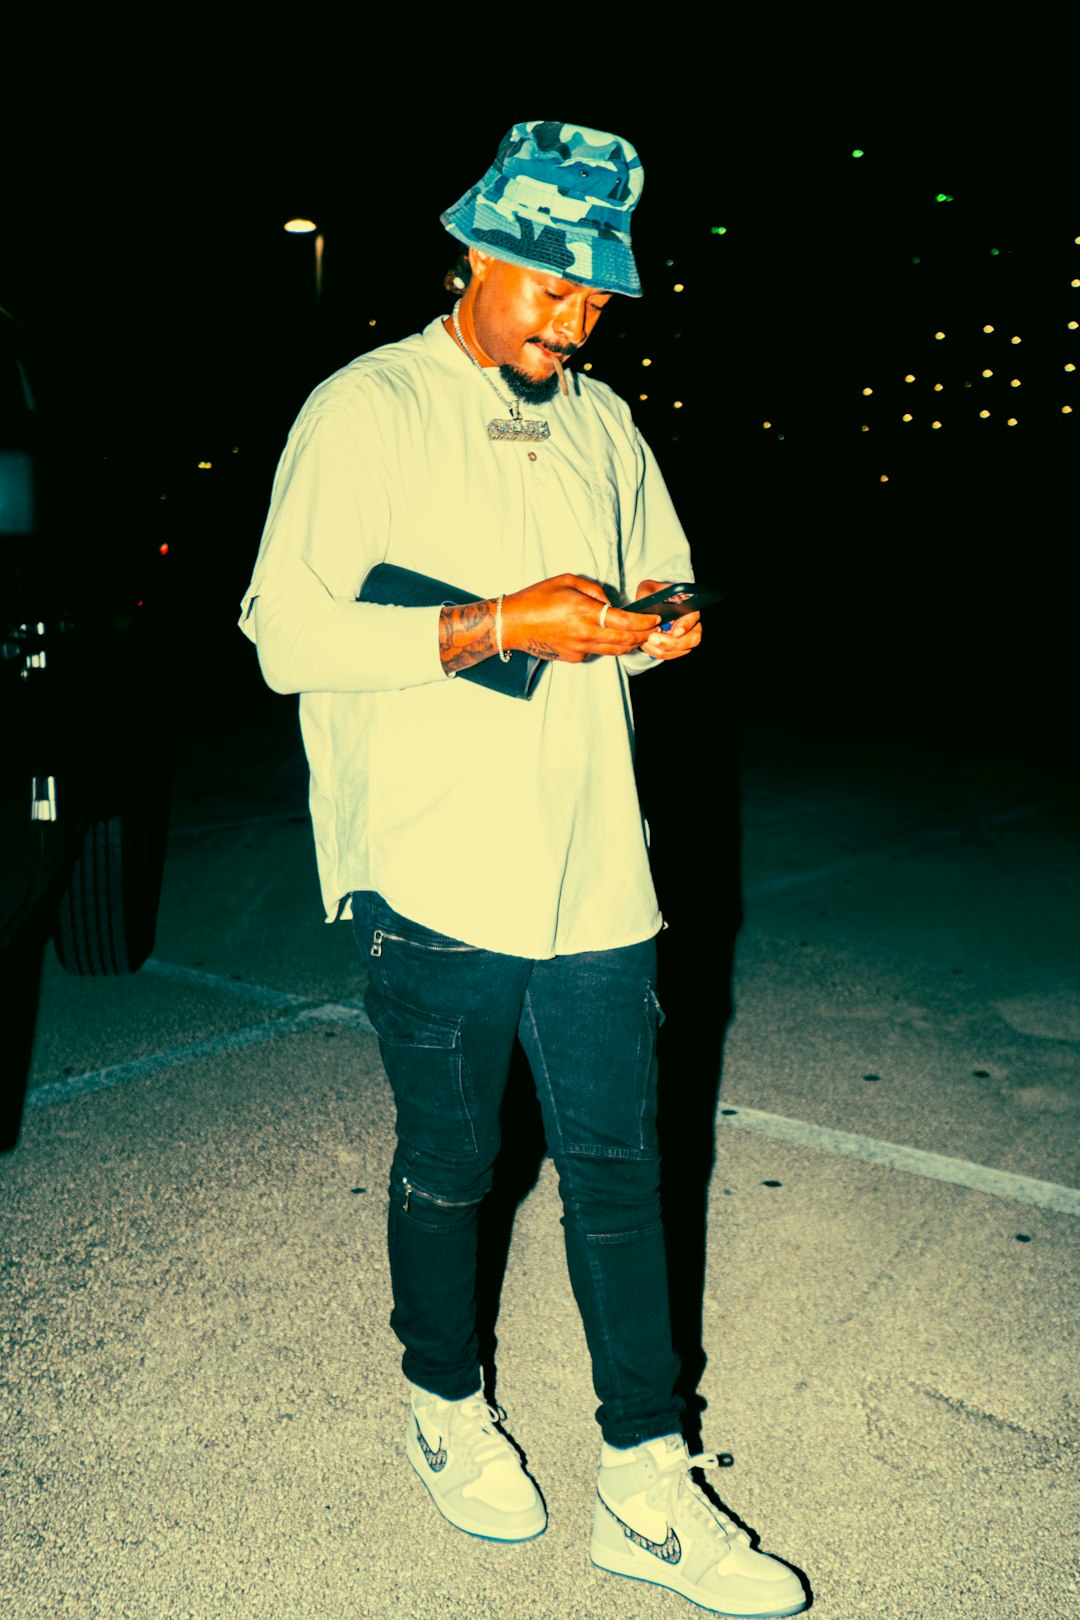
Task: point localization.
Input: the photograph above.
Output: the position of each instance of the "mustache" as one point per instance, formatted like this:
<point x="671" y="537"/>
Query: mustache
<point x="565" y="350"/>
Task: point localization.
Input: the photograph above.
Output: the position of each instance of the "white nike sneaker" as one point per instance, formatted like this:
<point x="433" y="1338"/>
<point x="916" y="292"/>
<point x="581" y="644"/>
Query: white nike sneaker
<point x="654" y="1523"/>
<point x="474" y="1474"/>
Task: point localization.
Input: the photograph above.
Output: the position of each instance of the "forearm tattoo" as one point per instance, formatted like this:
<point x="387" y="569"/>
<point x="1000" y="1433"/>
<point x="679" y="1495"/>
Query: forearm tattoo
<point x="466" y="635"/>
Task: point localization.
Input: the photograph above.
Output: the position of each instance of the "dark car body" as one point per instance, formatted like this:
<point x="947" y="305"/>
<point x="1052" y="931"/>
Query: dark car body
<point x="83" y="760"/>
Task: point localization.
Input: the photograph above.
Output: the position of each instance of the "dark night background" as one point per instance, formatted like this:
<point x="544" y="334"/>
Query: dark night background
<point x="175" y="323"/>
<point x="874" y="749"/>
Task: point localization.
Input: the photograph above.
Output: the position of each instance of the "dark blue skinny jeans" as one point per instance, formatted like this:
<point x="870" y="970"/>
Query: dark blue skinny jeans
<point x="446" y="1015"/>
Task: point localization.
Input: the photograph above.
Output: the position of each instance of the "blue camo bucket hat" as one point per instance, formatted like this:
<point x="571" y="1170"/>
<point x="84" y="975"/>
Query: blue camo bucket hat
<point x="558" y="197"/>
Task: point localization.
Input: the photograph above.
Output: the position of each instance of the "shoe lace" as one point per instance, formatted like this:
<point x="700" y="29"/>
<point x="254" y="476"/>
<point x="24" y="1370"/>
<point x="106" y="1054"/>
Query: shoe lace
<point x="682" y="1488"/>
<point x="474" y="1428"/>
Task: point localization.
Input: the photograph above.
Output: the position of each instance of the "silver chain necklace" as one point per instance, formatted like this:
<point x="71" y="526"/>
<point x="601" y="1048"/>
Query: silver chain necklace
<point x="514" y="429"/>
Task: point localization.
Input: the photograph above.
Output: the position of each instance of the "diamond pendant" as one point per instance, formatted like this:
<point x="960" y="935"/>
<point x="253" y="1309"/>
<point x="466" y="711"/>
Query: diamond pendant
<point x="524" y="429"/>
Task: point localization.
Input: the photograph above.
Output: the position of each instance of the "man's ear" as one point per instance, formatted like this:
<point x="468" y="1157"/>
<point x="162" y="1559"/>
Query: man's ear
<point x="479" y="263"/>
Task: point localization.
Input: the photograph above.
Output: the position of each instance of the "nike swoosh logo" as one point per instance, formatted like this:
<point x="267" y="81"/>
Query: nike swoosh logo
<point x="668" y="1551"/>
<point x="436" y="1460"/>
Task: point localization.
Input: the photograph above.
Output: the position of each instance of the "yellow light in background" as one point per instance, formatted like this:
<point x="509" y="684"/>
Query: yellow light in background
<point x="910" y="377"/>
<point x="984" y="413"/>
<point x="371" y="323"/>
<point x="678" y="287"/>
<point x="1073" y="325"/>
<point x="906" y="418"/>
<point x="587" y="366"/>
<point x="646" y="362"/>
<point x="1066" y="410"/>
<point x="988" y="328"/>
<point x="300" y="227"/>
<point x="939" y="336"/>
<point x="1015" y="383"/>
<point x="643" y="396"/>
<point x="938" y="387"/>
<point x="1070" y="366"/>
<point x="1016" y="340"/>
<point x="678" y="405"/>
<point x="1011" y="422"/>
<point x="1074" y="283"/>
<point x="884" y="479"/>
<point x="868" y="390"/>
<point x="935" y="424"/>
<point x="766" y="424"/>
<point x="988" y="373"/>
<point x="206" y="464"/>
<point x="865" y="428"/>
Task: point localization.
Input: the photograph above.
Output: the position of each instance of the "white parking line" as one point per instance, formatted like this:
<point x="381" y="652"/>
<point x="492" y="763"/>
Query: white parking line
<point x="235" y="1040"/>
<point x="935" y="1166"/>
<point x="261" y="994"/>
<point x="118" y="1074"/>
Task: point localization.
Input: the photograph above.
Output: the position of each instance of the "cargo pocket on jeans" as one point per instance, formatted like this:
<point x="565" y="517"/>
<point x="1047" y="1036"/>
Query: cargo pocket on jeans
<point x="421" y="1052"/>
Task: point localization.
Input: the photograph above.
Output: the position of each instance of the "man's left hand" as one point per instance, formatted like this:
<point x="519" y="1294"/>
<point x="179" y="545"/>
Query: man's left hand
<point x="682" y="638"/>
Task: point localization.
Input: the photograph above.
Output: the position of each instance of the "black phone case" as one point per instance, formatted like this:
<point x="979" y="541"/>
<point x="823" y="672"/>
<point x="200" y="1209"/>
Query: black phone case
<point x="404" y="587"/>
<point x="663" y="603"/>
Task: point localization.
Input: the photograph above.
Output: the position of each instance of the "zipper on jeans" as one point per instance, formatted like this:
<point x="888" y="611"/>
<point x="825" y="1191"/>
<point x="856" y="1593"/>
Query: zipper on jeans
<point x="380" y="934"/>
<point x="444" y="1203"/>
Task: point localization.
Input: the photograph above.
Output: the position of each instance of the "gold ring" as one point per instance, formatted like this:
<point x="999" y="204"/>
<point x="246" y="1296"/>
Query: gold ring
<point x="604" y="614"/>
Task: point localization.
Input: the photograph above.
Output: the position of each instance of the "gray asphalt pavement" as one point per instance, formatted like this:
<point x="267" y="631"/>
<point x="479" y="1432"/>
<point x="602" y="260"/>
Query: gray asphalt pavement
<point x="202" y="1405"/>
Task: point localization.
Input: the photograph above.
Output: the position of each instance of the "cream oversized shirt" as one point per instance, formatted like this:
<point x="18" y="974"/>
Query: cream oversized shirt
<point x="511" y="825"/>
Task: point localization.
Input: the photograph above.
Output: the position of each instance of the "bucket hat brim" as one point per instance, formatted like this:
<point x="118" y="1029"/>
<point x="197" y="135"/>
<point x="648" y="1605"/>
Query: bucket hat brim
<point x="558" y="198"/>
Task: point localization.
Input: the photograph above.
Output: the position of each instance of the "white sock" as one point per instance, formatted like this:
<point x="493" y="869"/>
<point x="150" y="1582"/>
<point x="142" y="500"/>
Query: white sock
<point x="430" y="1395"/>
<point x="616" y="1456"/>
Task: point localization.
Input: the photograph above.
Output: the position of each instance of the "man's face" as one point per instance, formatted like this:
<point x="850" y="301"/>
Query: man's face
<point x="522" y="317"/>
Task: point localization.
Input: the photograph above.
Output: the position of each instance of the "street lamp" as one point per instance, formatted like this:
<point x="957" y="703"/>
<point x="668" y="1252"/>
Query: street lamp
<point x="306" y="227"/>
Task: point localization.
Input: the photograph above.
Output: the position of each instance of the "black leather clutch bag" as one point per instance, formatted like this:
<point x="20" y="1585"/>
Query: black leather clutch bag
<point x="403" y="587"/>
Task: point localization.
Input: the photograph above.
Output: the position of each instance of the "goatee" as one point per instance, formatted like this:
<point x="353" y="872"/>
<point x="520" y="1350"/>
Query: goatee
<point x="532" y="390"/>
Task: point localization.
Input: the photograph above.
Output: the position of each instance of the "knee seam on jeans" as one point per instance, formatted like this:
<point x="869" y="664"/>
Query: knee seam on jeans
<point x="623" y="1155"/>
<point x="631" y="1235"/>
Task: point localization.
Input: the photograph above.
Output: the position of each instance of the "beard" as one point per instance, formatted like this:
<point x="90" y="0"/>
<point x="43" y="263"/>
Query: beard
<point x="533" y="390"/>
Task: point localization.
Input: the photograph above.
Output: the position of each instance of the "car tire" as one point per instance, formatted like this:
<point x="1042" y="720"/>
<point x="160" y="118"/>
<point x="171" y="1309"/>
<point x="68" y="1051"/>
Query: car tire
<point x="108" y="913"/>
<point x="20" y="965"/>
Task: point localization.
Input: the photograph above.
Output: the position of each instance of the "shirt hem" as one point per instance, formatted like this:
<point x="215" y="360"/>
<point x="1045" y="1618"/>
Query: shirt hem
<point x="342" y="912"/>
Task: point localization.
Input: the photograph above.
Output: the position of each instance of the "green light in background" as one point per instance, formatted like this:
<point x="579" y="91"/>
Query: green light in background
<point x="916" y="261"/>
<point x="943" y="196"/>
<point x="718" y="230"/>
<point x="858" y="152"/>
<point x="994" y="252"/>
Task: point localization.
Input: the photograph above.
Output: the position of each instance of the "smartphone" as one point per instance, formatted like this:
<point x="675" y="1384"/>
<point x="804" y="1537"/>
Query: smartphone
<point x="675" y="600"/>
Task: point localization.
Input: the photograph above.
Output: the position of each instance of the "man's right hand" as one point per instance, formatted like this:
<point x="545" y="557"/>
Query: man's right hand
<point x="560" y="618"/>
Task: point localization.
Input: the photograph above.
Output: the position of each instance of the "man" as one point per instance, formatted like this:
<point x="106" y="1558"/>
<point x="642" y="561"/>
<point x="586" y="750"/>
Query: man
<point x="491" y="851"/>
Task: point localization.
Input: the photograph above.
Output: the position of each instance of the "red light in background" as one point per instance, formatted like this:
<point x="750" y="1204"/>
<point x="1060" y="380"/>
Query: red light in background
<point x="164" y="548"/>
